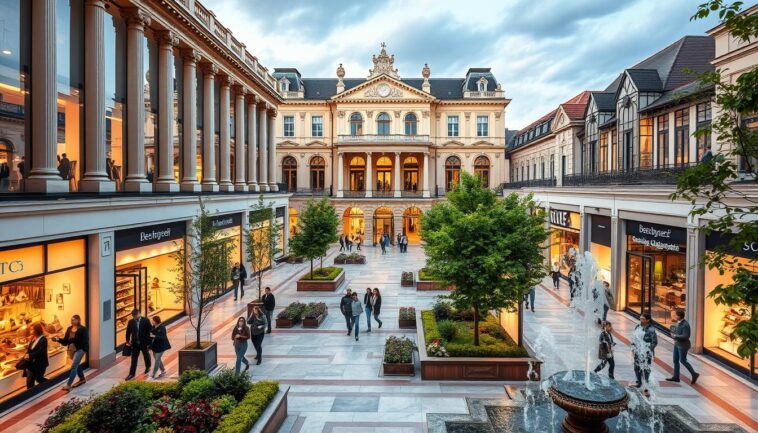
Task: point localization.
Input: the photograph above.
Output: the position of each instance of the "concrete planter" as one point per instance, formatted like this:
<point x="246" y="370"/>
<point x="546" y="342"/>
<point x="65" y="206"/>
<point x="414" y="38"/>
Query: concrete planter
<point x="273" y="417"/>
<point x="200" y="359"/>
<point x="321" y="285"/>
<point x="314" y="323"/>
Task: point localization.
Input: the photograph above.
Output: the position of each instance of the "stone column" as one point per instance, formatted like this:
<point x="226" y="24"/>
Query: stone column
<point x="189" y="125"/>
<point x="340" y="174"/>
<point x="95" y="178"/>
<point x="209" y="129"/>
<point x="263" y="148"/>
<point x="425" y="191"/>
<point x="225" y="181"/>
<point x="136" y="180"/>
<point x="398" y="181"/>
<point x="272" y="186"/>
<point x="695" y="304"/>
<point x="252" y="148"/>
<point x="166" y="181"/>
<point x="617" y="262"/>
<point x="369" y="184"/>
<point x="43" y="176"/>
<point x="239" y="143"/>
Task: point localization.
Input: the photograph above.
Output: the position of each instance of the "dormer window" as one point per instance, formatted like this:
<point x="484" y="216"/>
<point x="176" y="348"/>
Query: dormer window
<point x="284" y="85"/>
<point x="481" y="85"/>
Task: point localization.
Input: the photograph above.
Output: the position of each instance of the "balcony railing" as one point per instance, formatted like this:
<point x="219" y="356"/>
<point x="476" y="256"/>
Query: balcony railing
<point x="316" y="192"/>
<point x="411" y="194"/>
<point x="293" y="94"/>
<point x="376" y="138"/>
<point x="485" y="95"/>
<point x="529" y="183"/>
<point x="638" y="176"/>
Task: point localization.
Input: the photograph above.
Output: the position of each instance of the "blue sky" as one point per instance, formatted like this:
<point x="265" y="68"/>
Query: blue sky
<point x="543" y="52"/>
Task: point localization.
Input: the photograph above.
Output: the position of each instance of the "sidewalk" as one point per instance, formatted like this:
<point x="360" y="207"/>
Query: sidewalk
<point x="718" y="396"/>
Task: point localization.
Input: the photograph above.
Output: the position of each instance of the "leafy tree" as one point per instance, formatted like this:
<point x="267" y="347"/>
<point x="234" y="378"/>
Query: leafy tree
<point x="317" y="229"/>
<point x="489" y="248"/>
<point x="716" y="186"/>
<point x="201" y="266"/>
<point x="262" y="239"/>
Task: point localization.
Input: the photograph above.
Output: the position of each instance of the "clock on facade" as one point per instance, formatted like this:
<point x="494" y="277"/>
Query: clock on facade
<point x="383" y="90"/>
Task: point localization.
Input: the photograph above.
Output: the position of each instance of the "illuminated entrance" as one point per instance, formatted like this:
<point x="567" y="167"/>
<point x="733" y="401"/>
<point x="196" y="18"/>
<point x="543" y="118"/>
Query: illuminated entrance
<point x="383" y="223"/>
<point x="353" y="222"/>
<point x="411" y="224"/>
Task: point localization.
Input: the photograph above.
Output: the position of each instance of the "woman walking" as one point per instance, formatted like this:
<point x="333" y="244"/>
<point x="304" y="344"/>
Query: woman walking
<point x="605" y="350"/>
<point x="376" y="307"/>
<point x="159" y="345"/>
<point x="235" y="279"/>
<point x="555" y="272"/>
<point x="258" y="323"/>
<point x="356" y="309"/>
<point x="36" y="357"/>
<point x="77" y="340"/>
<point x="367" y="303"/>
<point x="240" y="334"/>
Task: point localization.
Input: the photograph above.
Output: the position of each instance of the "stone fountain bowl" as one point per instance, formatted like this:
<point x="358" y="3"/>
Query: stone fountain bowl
<point x="586" y="409"/>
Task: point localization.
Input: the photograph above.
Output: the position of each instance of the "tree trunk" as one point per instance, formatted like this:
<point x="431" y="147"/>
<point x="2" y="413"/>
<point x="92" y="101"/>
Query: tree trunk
<point x="476" y="325"/>
<point x="199" y="321"/>
<point x="311" y="268"/>
<point x="260" y="283"/>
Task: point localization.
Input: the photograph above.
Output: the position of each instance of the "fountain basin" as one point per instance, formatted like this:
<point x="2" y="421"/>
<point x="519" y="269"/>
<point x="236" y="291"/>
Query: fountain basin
<point x="586" y="409"/>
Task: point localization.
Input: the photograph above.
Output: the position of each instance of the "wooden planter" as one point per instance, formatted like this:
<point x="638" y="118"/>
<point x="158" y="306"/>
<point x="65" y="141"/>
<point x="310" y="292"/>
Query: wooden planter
<point x="314" y="323"/>
<point x="406" y="323"/>
<point x="199" y="359"/>
<point x="358" y="261"/>
<point x="407" y="283"/>
<point x="273" y="416"/>
<point x="321" y="285"/>
<point x="284" y="323"/>
<point x="405" y="369"/>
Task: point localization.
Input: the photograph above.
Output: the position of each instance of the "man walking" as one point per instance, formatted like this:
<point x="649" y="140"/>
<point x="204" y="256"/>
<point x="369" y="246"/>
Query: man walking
<point x="138" y="340"/>
<point x="243" y="277"/>
<point x="342" y="243"/>
<point x="383" y="245"/>
<point x="358" y="241"/>
<point x="608" y="300"/>
<point x="555" y="272"/>
<point x="644" y="341"/>
<point x="269" y="303"/>
<point x="680" y="332"/>
<point x="404" y="243"/>
<point x="346" y="308"/>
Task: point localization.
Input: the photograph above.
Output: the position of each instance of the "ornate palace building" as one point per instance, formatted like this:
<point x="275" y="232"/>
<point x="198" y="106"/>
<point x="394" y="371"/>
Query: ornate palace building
<point x="385" y="148"/>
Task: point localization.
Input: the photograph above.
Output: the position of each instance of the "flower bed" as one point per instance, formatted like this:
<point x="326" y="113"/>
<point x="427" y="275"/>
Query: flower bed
<point x="407" y="318"/>
<point x="314" y="314"/>
<point x="326" y="279"/>
<point x="225" y="403"/>
<point x="290" y="316"/>
<point x="407" y="279"/>
<point x="398" y="356"/>
<point x="427" y="282"/>
<point x="350" y="259"/>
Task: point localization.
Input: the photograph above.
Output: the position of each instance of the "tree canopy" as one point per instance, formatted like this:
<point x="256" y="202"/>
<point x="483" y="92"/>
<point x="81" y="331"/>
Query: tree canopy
<point x="262" y="239"/>
<point x="317" y="229"/>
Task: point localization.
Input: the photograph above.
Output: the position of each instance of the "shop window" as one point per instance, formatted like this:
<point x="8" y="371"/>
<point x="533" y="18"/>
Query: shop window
<point x="70" y="97"/>
<point x="410" y="174"/>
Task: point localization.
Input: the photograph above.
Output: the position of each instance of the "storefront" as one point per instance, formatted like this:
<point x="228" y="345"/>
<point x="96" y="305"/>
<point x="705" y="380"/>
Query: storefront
<point x="45" y="284"/>
<point x="656" y="271"/>
<point x="564" y="236"/>
<point x="293" y="218"/>
<point x="384" y="223"/>
<point x="280" y="221"/>
<point x="230" y="230"/>
<point x="146" y="273"/>
<point x="600" y="244"/>
<point x="719" y="320"/>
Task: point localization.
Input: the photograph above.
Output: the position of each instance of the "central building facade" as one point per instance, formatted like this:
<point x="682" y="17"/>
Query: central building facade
<point x="385" y="148"/>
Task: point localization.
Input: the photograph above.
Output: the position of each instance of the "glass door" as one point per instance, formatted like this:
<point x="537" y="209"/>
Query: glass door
<point x="639" y="283"/>
<point x="357" y="180"/>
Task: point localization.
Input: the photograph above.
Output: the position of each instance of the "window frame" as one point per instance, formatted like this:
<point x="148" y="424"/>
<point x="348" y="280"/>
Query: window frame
<point x="482" y="125"/>
<point x="383" y="124"/>
<point x="319" y="124"/>
<point x="288" y="121"/>
<point x="411" y="124"/>
<point x="453" y="125"/>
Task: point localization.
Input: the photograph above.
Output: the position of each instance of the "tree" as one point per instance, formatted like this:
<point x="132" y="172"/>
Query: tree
<point x="489" y="248"/>
<point x="716" y="186"/>
<point x="262" y="239"/>
<point x="201" y="266"/>
<point x="317" y="230"/>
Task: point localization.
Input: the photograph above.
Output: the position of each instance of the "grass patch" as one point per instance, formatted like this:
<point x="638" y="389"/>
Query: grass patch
<point x="423" y="275"/>
<point x="493" y="340"/>
<point x="323" y="274"/>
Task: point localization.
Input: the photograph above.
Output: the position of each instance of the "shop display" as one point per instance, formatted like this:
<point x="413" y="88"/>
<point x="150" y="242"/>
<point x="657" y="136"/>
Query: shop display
<point x="564" y="238"/>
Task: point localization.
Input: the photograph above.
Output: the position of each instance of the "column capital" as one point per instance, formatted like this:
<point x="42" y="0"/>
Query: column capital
<point x="239" y="89"/>
<point x="209" y="69"/>
<point x="252" y="98"/>
<point x="226" y="81"/>
<point x="271" y="110"/>
<point x="96" y="3"/>
<point x="167" y="38"/>
<point x="190" y="55"/>
<point x="136" y="17"/>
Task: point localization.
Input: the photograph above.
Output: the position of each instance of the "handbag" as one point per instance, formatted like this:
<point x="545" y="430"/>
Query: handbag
<point x="127" y="351"/>
<point x="23" y="364"/>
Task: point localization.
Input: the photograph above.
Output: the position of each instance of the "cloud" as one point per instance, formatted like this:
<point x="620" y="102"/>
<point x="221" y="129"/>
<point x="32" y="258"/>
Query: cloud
<point x="542" y="52"/>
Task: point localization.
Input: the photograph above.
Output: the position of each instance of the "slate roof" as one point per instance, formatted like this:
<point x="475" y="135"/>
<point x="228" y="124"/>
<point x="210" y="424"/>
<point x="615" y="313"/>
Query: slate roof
<point x="605" y="101"/>
<point x="680" y="94"/>
<point x="645" y="80"/>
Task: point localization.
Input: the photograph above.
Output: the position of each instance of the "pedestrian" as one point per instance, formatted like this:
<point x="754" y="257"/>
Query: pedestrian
<point x="572" y="282"/>
<point x="349" y="243"/>
<point x="269" y="303"/>
<point x="644" y="342"/>
<point x="243" y="277"/>
<point x="404" y="243"/>
<point x="399" y="240"/>
<point x="529" y="298"/>
<point x="235" y="278"/>
<point x="707" y="155"/>
<point x="258" y="324"/>
<point x="159" y="345"/>
<point x="358" y="240"/>
<point x="680" y="332"/>
<point x="376" y="306"/>
<point x="76" y="339"/>
<point x="240" y="334"/>
<point x="138" y="340"/>
<point x="367" y="302"/>
<point x="64" y="167"/>
<point x="342" y="243"/>
<point x="356" y="309"/>
<point x="605" y="350"/>
<point x="345" y="303"/>
<point x="35" y="361"/>
<point x="555" y="272"/>
<point x="383" y="245"/>
<point x="608" y="300"/>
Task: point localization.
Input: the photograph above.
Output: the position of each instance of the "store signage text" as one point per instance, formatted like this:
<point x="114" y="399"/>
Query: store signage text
<point x="750" y="247"/>
<point x="154" y="235"/>
<point x="138" y="237"/>
<point x="222" y="222"/>
<point x="11" y="267"/>
<point x="560" y="218"/>
<point x="656" y="244"/>
<point x="657" y="236"/>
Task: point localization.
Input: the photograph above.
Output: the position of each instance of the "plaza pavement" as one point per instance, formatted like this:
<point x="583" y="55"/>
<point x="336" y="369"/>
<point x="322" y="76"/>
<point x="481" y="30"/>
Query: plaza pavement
<point x="336" y="382"/>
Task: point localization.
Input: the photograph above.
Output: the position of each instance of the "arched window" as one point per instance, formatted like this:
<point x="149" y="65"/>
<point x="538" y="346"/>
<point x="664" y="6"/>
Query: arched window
<point x="356" y="124"/>
<point x="383" y="124"/>
<point x="357" y="174"/>
<point x="452" y="172"/>
<point x="289" y="173"/>
<point x="318" y="169"/>
<point x="410" y="174"/>
<point x="482" y="169"/>
<point x="411" y="124"/>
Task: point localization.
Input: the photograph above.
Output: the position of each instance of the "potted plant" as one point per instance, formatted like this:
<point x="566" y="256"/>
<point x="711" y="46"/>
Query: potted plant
<point x="290" y="316"/>
<point x="407" y="279"/>
<point x="398" y="356"/>
<point x="407" y="318"/>
<point x="201" y="266"/>
<point x="262" y="239"/>
<point x="341" y="259"/>
<point x="314" y="314"/>
<point x="317" y="230"/>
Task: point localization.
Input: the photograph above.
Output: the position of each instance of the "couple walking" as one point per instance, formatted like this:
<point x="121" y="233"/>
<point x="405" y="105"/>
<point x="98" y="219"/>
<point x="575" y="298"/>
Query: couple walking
<point x="352" y="308"/>
<point x="258" y="322"/>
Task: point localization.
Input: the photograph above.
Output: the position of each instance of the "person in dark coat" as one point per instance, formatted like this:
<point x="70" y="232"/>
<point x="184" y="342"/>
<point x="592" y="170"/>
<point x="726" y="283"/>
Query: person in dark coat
<point x="36" y="357"/>
<point x="78" y="336"/>
<point x="376" y="306"/>
<point x="235" y="279"/>
<point x="243" y="277"/>
<point x="64" y="167"/>
<point x="138" y="339"/>
<point x="680" y="332"/>
<point x="258" y="324"/>
<point x="269" y="303"/>
<point x="342" y="243"/>
<point x="605" y="350"/>
<point x="367" y="302"/>
<point x="240" y="334"/>
<point x="643" y="350"/>
<point x="159" y="345"/>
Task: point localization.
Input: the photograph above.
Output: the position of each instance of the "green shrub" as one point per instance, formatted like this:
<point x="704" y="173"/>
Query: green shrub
<point x="119" y="411"/>
<point x="424" y="275"/>
<point x="189" y="375"/>
<point x="493" y="329"/>
<point x="487" y="340"/>
<point x="293" y="311"/>
<point x="61" y="413"/>
<point x="407" y="313"/>
<point x="325" y="273"/>
<point x="229" y="382"/>
<point x="398" y="350"/>
<point x="224" y="404"/>
<point x="199" y="389"/>
<point x="447" y="329"/>
<point x="247" y="412"/>
<point x="463" y="343"/>
<point x="466" y="314"/>
<point x="442" y="309"/>
<point x="314" y="309"/>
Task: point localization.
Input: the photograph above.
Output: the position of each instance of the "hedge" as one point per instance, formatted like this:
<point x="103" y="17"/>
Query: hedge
<point x="423" y="275"/>
<point x="501" y="349"/>
<point x="242" y="418"/>
<point x="324" y="274"/>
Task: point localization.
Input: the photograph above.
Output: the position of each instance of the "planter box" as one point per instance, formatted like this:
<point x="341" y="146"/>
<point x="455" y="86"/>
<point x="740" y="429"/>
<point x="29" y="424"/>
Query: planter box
<point x="314" y="323"/>
<point x="284" y="323"/>
<point x="273" y="416"/>
<point x="252" y="304"/>
<point x="292" y="259"/>
<point x="321" y="285"/>
<point x="358" y="261"/>
<point x="200" y="359"/>
<point x="466" y="368"/>
<point x="407" y="323"/>
<point x="408" y="369"/>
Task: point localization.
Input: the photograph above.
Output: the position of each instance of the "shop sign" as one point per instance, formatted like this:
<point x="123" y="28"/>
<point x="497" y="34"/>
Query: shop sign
<point x="657" y="236"/>
<point x="226" y="221"/>
<point x="601" y="230"/>
<point x="748" y="250"/>
<point x="133" y="238"/>
<point x="21" y="262"/>
<point x="564" y="218"/>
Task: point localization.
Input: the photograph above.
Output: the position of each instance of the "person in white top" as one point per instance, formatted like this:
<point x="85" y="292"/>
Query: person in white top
<point x="555" y="272"/>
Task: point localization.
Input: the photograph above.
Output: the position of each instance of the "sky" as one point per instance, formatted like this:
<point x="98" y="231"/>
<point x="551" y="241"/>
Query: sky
<point x="542" y="52"/>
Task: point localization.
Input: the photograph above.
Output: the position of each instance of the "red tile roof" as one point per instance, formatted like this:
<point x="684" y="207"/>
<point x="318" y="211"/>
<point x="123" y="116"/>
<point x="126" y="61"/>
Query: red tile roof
<point x="575" y="106"/>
